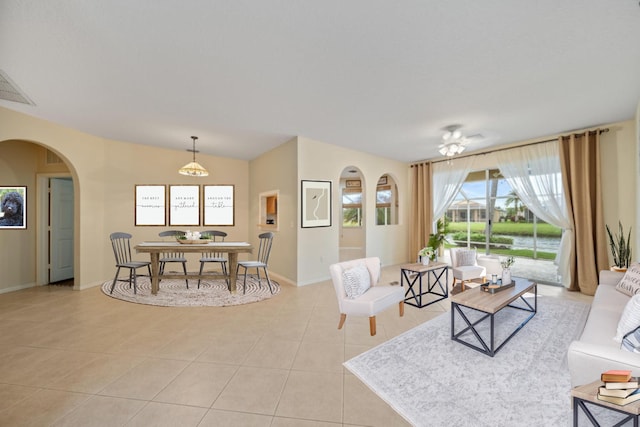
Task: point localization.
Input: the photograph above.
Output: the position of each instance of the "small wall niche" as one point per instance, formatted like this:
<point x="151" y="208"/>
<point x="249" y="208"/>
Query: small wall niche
<point x="269" y="216"/>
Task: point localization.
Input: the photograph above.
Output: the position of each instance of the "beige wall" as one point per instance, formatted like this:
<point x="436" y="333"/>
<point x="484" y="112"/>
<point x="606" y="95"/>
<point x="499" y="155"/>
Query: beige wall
<point x="276" y="170"/>
<point x="104" y="173"/>
<point x="619" y="154"/>
<point x="319" y="247"/>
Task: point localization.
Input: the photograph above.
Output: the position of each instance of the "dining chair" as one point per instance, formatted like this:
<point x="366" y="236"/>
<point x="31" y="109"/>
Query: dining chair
<point x="266" y="240"/>
<point x="120" y="242"/>
<point x="360" y="294"/>
<point x="167" y="257"/>
<point x="215" y="257"/>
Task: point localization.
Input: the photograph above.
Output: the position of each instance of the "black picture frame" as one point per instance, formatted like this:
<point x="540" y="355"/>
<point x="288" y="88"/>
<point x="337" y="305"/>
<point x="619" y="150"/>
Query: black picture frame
<point x="315" y="204"/>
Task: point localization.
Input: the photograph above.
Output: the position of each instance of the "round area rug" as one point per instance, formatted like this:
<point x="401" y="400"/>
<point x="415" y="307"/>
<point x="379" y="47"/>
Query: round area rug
<point x="174" y="292"/>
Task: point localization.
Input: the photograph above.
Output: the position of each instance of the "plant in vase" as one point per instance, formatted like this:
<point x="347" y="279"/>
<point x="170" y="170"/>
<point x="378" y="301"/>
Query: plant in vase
<point x="427" y="254"/>
<point x="620" y="248"/>
<point x="506" y="269"/>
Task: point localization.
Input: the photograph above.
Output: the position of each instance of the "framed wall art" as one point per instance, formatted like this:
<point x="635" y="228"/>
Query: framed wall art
<point x="13" y="208"/>
<point x="184" y="205"/>
<point x="352" y="183"/>
<point x="316" y="203"/>
<point x="218" y="204"/>
<point x="151" y="207"/>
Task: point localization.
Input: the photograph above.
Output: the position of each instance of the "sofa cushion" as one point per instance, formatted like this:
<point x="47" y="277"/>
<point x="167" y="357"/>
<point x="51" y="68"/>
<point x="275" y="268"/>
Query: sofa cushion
<point x="630" y="318"/>
<point x="631" y="341"/>
<point x="604" y="316"/>
<point x="630" y="283"/>
<point x="356" y="280"/>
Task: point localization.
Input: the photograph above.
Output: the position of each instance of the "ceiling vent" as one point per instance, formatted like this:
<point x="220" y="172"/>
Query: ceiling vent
<point x="9" y="91"/>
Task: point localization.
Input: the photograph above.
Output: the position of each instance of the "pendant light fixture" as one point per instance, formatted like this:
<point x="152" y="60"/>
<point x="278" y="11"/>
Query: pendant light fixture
<point x="193" y="168"/>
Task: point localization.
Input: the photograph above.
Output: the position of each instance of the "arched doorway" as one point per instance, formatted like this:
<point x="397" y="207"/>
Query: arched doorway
<point x="352" y="222"/>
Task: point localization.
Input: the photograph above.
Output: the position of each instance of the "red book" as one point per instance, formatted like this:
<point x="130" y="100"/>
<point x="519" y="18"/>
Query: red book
<point x="619" y="375"/>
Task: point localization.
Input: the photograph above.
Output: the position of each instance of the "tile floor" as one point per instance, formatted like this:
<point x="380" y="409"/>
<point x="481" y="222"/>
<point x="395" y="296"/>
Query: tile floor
<point x="74" y="358"/>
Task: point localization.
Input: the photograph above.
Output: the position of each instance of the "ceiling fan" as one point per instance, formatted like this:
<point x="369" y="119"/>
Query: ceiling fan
<point x="453" y="141"/>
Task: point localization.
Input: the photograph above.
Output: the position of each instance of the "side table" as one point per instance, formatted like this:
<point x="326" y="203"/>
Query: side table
<point x="433" y="272"/>
<point x="584" y="394"/>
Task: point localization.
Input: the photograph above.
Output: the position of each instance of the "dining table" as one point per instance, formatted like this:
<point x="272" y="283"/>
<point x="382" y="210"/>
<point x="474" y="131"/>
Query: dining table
<point x="154" y="249"/>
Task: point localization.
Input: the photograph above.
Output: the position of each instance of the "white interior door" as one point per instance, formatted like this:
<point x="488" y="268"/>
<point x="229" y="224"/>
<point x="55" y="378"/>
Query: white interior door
<point x="61" y="229"/>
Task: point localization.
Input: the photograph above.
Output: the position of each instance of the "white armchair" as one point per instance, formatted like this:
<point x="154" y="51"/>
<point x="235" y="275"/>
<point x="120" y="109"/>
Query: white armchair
<point x="464" y="265"/>
<point x="373" y="299"/>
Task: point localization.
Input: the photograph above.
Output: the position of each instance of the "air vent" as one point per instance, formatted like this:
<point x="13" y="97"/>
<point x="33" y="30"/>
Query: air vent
<point x="53" y="158"/>
<point x="9" y="91"/>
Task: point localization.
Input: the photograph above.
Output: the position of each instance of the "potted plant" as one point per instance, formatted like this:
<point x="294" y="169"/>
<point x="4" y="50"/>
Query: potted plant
<point x="427" y="254"/>
<point x="439" y="238"/>
<point x="620" y="248"/>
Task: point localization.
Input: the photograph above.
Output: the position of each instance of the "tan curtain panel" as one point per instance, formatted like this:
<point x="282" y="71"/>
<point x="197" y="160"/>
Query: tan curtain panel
<point x="421" y="208"/>
<point x="580" y="161"/>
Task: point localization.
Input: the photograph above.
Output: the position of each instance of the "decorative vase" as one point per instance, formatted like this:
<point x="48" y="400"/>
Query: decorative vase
<point x="425" y="260"/>
<point x="506" y="276"/>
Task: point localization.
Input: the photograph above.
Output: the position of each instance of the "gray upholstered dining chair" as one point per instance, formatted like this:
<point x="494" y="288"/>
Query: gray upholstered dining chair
<point x="120" y="242"/>
<point x="168" y="257"/>
<point x="264" y="250"/>
<point x="214" y="257"/>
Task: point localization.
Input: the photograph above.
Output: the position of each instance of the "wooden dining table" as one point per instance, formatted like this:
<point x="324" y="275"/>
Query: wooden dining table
<point x="154" y="249"/>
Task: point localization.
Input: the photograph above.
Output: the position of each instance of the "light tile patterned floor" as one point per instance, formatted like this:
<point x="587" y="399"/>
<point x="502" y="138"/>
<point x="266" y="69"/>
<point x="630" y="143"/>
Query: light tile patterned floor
<point x="82" y="359"/>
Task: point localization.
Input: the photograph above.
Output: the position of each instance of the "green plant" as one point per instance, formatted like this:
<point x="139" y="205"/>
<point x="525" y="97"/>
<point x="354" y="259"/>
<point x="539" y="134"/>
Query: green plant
<point x="439" y="238"/>
<point x="620" y="247"/>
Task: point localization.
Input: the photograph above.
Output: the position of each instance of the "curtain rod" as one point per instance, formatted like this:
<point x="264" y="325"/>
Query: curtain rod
<point x="600" y="131"/>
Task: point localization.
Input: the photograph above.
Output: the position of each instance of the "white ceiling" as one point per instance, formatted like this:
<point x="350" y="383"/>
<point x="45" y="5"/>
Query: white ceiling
<point x="380" y="76"/>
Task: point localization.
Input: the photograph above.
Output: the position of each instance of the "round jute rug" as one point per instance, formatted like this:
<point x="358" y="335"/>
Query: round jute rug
<point x="174" y="292"/>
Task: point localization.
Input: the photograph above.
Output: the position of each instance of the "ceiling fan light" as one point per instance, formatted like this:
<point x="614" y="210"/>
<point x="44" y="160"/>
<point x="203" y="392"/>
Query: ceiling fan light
<point x="446" y="136"/>
<point x="456" y="134"/>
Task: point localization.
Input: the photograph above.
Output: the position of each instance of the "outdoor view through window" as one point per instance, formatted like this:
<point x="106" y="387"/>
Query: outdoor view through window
<point x="487" y="214"/>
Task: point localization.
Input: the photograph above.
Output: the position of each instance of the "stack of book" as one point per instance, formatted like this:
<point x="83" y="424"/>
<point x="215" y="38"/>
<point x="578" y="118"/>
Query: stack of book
<point x="619" y="387"/>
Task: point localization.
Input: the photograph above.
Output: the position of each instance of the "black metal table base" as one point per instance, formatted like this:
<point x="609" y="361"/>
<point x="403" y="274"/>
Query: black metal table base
<point x="415" y="299"/>
<point x="579" y="403"/>
<point x="488" y="348"/>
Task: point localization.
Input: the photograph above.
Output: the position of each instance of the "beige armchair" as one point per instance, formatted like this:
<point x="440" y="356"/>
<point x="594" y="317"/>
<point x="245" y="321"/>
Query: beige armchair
<point x="358" y="291"/>
<point x="464" y="266"/>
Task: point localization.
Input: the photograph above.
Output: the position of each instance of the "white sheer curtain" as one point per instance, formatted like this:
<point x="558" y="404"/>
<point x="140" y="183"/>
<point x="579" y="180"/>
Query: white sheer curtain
<point x="534" y="174"/>
<point x="448" y="177"/>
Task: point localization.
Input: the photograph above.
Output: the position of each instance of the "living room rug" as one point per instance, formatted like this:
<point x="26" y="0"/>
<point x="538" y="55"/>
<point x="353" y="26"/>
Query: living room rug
<point x="174" y="292"/>
<point x="431" y="380"/>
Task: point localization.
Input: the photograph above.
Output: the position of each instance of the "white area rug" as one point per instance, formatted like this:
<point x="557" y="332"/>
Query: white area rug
<point x="433" y="381"/>
<point x="174" y="292"/>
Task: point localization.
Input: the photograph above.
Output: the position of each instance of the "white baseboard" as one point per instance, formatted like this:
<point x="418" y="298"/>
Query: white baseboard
<point x="18" y="288"/>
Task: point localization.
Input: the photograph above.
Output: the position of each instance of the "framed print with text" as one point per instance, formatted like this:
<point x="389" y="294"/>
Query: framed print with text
<point x="218" y="201"/>
<point x="184" y="205"/>
<point x="13" y="208"/>
<point x="315" y="204"/>
<point x="151" y="205"/>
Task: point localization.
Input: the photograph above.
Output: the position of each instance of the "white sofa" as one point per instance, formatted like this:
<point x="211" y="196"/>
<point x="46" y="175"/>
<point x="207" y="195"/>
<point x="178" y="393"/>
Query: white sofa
<point x="596" y="351"/>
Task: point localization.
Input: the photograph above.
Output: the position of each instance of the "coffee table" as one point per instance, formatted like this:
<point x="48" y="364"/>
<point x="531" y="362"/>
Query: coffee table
<point x="489" y="304"/>
<point x="588" y="394"/>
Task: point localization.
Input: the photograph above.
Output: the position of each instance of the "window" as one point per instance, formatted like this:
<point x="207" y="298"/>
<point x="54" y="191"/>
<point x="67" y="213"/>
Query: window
<point x="386" y="201"/>
<point x="383" y="205"/>
<point x="351" y="207"/>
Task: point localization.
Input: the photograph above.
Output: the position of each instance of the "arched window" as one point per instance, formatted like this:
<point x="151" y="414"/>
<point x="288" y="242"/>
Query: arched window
<point x="386" y="201"/>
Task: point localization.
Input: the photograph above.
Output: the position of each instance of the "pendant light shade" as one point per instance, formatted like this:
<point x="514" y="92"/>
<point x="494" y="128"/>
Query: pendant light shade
<point x="193" y="168"/>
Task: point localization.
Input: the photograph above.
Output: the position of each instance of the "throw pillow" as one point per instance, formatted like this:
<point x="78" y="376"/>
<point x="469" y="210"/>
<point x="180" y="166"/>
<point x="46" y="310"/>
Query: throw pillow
<point x="630" y="318"/>
<point x="356" y="280"/>
<point x="631" y="341"/>
<point x="630" y="282"/>
<point x="466" y="257"/>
